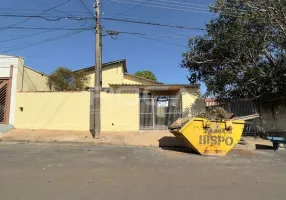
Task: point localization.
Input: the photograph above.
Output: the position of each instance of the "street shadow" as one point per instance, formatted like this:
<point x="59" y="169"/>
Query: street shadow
<point x="169" y="141"/>
<point x="263" y="147"/>
<point x="174" y="144"/>
<point x="179" y="149"/>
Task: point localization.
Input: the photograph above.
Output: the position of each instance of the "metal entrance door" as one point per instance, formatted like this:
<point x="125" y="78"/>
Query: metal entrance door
<point x="4" y="101"/>
<point x="156" y="114"/>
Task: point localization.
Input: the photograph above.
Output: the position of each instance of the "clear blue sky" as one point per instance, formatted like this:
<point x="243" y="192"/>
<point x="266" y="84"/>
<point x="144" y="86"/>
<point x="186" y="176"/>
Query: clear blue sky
<point x="77" y="51"/>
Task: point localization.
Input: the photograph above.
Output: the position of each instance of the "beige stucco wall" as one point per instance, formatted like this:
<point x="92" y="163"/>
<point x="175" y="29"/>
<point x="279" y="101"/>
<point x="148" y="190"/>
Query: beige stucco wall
<point x="120" y="111"/>
<point x="192" y="104"/>
<point x="71" y="110"/>
<point x="30" y="80"/>
<point x="53" y="110"/>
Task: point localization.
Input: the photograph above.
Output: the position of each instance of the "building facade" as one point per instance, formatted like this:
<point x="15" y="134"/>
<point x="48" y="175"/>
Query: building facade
<point x="16" y="77"/>
<point x="128" y="102"/>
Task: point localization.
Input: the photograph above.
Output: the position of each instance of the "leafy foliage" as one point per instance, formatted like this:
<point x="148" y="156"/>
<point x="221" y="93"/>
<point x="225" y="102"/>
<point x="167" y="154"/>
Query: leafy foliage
<point x="243" y="53"/>
<point x="146" y="74"/>
<point x="63" y="79"/>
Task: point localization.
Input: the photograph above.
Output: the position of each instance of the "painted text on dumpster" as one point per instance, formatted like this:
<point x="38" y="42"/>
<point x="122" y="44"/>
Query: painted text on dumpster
<point x="215" y="140"/>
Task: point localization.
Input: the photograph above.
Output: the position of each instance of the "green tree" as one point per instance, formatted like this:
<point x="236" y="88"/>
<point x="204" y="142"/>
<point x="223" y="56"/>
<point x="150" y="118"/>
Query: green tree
<point x="243" y="53"/>
<point x="146" y="74"/>
<point x="64" y="79"/>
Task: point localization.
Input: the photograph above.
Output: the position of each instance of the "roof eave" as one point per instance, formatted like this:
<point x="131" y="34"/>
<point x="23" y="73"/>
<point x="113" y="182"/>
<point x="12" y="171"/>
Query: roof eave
<point x="123" y="61"/>
<point x="36" y="71"/>
<point x="155" y="82"/>
<point x="156" y="85"/>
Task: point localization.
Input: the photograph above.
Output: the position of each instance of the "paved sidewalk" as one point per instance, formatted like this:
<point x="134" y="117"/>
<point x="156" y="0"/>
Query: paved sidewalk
<point x="148" y="138"/>
<point x="5" y="128"/>
<point x="144" y="138"/>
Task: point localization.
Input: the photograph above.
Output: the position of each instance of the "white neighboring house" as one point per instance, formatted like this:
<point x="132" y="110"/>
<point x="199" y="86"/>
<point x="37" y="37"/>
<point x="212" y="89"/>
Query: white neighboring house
<point x="16" y="77"/>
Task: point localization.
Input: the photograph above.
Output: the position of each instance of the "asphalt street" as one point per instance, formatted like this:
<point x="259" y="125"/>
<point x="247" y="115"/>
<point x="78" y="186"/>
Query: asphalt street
<point x="72" y="172"/>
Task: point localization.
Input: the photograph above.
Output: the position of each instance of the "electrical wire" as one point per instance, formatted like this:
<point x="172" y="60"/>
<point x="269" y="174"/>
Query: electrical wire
<point x="174" y="5"/>
<point x="51" y="14"/>
<point x="186" y="3"/>
<point x="167" y="25"/>
<point x="48" y="19"/>
<point x="201" y="5"/>
<point x="80" y="2"/>
<point x="23" y="46"/>
<point x="132" y="8"/>
<point x="152" y="23"/>
<point x="180" y="7"/>
<point x="160" y="6"/>
<point x="115" y="33"/>
<point x="26" y="36"/>
<point x="46" y="28"/>
<point x="66" y="12"/>
<point x="59" y="11"/>
<point x="38" y="14"/>
<point x="156" y="40"/>
<point x="84" y="7"/>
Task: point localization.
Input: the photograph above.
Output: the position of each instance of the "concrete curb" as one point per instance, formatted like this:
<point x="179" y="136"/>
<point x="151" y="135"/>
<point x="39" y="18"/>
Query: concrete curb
<point x="78" y="143"/>
<point x="4" y="141"/>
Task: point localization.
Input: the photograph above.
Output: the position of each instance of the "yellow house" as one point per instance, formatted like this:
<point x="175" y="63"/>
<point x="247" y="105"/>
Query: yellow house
<point x="128" y="102"/>
<point x="114" y="72"/>
<point x="131" y="103"/>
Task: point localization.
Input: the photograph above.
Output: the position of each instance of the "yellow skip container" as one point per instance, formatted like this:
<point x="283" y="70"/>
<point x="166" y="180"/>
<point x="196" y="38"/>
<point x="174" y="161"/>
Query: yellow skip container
<point x="209" y="137"/>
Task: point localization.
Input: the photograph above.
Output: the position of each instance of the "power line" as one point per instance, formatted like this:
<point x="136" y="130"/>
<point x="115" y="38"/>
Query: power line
<point x="38" y="14"/>
<point x="166" y="7"/>
<point x="26" y="36"/>
<point x="55" y="18"/>
<point x="59" y="11"/>
<point x="156" y="40"/>
<point x="198" y="5"/>
<point x="38" y="10"/>
<point x="80" y="2"/>
<point x="180" y="7"/>
<point x="132" y="8"/>
<point x="116" y="33"/>
<point x="164" y="25"/>
<point x="23" y="46"/>
<point x="71" y="14"/>
<point x="66" y="12"/>
<point x="186" y="3"/>
<point x="109" y="14"/>
<point x="46" y="28"/>
<point x="84" y="7"/>
<point x="174" y="5"/>
<point x="152" y="23"/>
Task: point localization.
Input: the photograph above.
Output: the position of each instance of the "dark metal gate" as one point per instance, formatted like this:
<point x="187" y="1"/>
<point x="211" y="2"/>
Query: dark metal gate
<point x="4" y="101"/>
<point x="243" y="108"/>
<point x="157" y="116"/>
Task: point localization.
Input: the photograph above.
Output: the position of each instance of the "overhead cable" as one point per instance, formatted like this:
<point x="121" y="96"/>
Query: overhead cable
<point x="38" y="14"/>
<point x="152" y="23"/>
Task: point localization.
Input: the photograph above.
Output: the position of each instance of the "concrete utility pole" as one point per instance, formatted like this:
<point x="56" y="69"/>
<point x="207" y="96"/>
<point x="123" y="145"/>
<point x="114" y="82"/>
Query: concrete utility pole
<point x="98" y="68"/>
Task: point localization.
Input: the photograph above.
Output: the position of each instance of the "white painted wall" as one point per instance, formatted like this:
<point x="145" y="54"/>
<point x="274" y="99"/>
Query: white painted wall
<point x="5" y="63"/>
